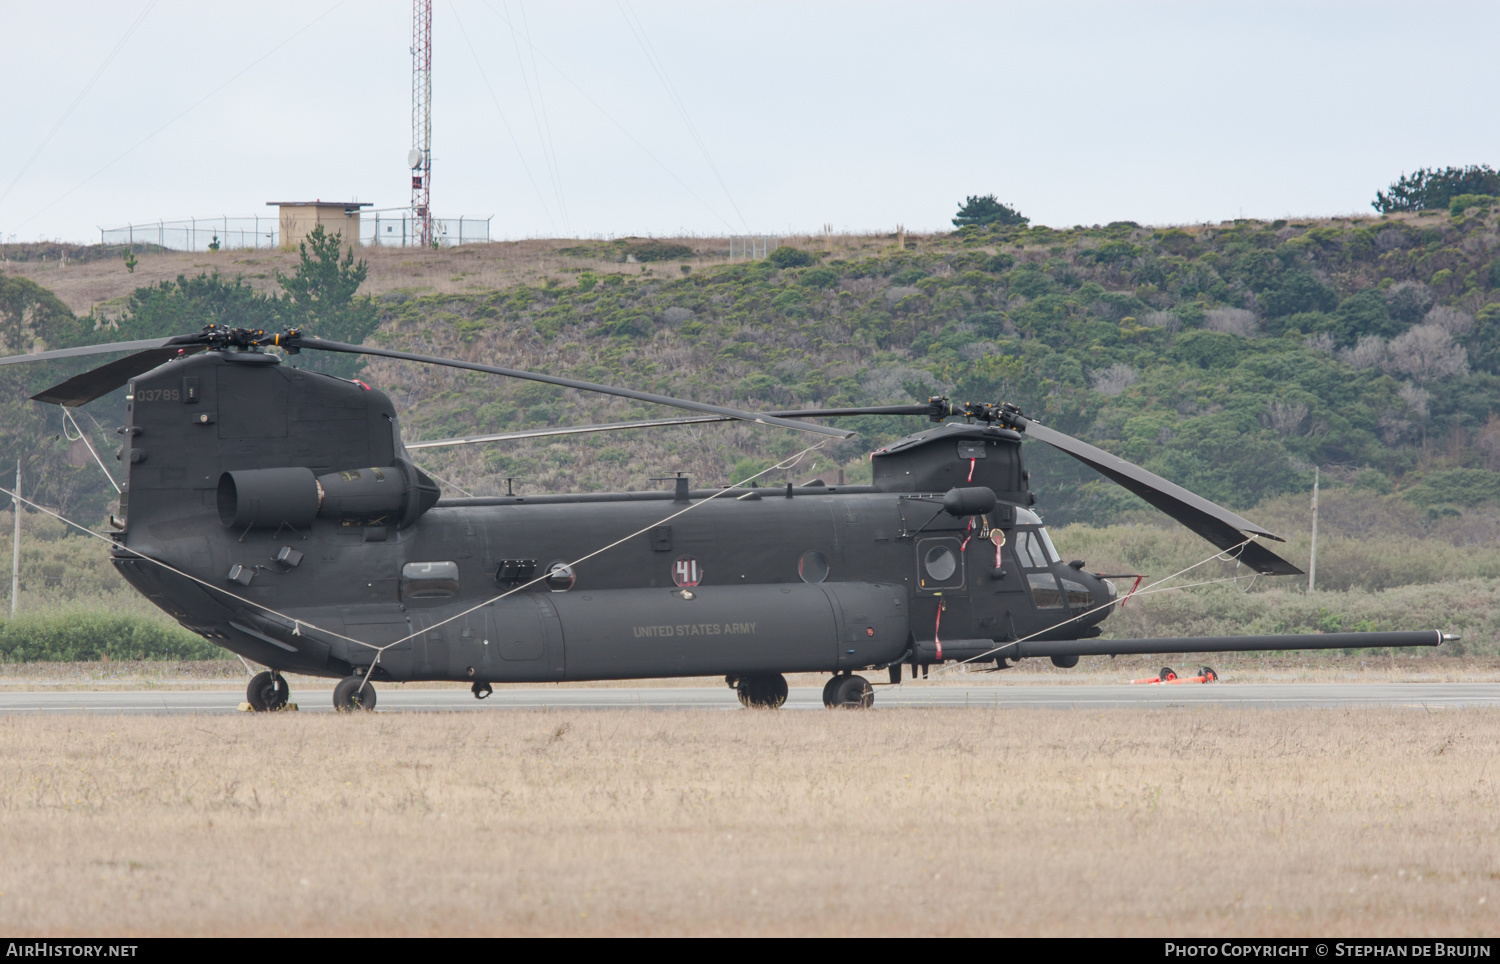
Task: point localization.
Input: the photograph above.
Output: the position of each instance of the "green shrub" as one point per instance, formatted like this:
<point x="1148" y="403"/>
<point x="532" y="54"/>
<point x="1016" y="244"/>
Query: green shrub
<point x="82" y="636"/>
<point x="820" y="277"/>
<point x="1457" y="486"/>
<point x="659" y="251"/>
<point x="1298" y="291"/>
<point x="1463" y="202"/>
<point x="1206" y="349"/>
<point x="788" y="257"/>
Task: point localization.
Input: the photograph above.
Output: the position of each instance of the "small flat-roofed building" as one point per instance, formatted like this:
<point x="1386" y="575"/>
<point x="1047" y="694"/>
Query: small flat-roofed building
<point x="300" y="218"/>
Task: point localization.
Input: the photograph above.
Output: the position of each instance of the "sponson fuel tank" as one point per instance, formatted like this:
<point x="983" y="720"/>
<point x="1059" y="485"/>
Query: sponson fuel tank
<point x="703" y="631"/>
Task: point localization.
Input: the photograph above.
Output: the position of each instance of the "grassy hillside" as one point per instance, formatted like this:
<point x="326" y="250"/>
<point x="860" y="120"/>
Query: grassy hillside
<point x="1231" y="358"/>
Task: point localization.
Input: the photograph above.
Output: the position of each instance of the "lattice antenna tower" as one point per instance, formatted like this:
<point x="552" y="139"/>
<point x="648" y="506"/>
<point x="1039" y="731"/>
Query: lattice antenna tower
<point x="419" y="158"/>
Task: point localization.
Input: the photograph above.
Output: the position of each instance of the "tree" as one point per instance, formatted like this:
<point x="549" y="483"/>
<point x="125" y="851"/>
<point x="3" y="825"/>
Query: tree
<point x="183" y="306"/>
<point x="978" y="212"/>
<point x="1427" y="352"/>
<point x="320" y="298"/>
<point x="1428" y="189"/>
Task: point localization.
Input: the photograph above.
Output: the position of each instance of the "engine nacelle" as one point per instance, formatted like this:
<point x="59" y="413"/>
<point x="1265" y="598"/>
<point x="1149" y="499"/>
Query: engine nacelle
<point x="268" y="498"/>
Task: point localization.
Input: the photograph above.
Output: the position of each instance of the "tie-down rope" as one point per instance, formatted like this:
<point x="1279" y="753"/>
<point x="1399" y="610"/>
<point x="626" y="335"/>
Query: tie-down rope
<point x="297" y="624"/>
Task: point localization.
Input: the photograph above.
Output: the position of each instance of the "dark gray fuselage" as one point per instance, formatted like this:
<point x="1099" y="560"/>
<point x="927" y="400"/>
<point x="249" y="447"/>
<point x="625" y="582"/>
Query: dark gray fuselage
<point x="721" y="582"/>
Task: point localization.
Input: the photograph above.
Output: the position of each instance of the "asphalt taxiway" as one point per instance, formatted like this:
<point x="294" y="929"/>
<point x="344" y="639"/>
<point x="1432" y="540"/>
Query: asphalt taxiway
<point x="1266" y="696"/>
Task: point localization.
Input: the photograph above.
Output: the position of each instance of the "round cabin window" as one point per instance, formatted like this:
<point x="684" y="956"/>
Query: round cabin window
<point x="560" y="577"/>
<point x="812" y="567"/>
<point x="940" y="563"/>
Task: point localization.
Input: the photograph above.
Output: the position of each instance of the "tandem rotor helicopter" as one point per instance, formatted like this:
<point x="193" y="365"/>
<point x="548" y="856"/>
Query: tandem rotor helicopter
<point x="276" y="512"/>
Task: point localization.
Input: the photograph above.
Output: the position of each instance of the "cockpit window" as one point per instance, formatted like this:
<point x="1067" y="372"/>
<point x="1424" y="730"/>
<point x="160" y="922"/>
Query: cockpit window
<point x="1023" y="549"/>
<point x="1078" y="595"/>
<point x="1044" y="591"/>
<point x="1052" y="555"/>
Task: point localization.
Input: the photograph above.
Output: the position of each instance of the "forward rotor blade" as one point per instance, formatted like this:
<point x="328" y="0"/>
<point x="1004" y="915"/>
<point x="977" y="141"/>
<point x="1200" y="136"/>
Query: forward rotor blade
<point x="662" y="423"/>
<point x="82" y="389"/>
<point x="305" y="341"/>
<point x="87" y="350"/>
<point x="1215" y="523"/>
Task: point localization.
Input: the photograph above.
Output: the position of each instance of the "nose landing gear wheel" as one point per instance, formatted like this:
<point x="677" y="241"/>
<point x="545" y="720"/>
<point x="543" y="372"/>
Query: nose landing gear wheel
<point x="852" y="693"/>
<point x="352" y="694"/>
<point x="266" y="692"/>
<point x="767" y="691"/>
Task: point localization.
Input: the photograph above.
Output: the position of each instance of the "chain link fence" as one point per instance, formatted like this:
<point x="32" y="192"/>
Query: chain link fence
<point x="198" y="234"/>
<point x="754" y="247"/>
<point x="395" y="229"/>
<point x="398" y="229"/>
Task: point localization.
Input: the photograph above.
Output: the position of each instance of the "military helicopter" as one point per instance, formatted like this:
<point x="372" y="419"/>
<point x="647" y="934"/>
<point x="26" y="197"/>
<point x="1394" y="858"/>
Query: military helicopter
<point x="277" y="512"/>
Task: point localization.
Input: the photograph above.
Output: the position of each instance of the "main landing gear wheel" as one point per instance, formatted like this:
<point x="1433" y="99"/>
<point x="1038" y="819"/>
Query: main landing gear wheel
<point x="267" y="691"/>
<point x="352" y="694"/>
<point x="852" y="693"/>
<point x="828" y="689"/>
<point x="764" y="691"/>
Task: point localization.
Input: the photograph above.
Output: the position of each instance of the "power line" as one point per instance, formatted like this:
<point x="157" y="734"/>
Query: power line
<point x="503" y="120"/>
<point x="610" y="117"/>
<point x="76" y="101"/>
<point x="638" y="30"/>
<point x="542" y="140"/>
<point x="562" y="201"/>
<point x="180" y="115"/>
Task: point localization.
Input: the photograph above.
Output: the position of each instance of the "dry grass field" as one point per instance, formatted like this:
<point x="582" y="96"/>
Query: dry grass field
<point x="103" y="284"/>
<point x="949" y="822"/>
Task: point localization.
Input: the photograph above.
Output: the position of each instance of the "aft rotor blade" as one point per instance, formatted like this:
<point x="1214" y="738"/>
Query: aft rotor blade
<point x="82" y="389"/>
<point x="570" y="430"/>
<point x="86" y="350"/>
<point x="1215" y="523"/>
<point x="318" y="343"/>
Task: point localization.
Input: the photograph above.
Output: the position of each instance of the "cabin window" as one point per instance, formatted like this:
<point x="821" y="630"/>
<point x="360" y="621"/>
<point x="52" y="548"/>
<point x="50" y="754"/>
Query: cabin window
<point x="940" y="563"/>
<point x="812" y="567"/>
<point x="1078" y="594"/>
<point x="429" y="580"/>
<point x="1044" y="591"/>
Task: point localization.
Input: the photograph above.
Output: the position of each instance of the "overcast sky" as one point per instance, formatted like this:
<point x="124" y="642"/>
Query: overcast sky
<point x="641" y="117"/>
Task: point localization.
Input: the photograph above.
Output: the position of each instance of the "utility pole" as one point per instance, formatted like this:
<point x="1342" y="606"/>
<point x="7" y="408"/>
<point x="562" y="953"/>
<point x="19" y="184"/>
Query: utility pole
<point x="419" y="158"/>
<point x="15" y="544"/>
<point x="1312" y="565"/>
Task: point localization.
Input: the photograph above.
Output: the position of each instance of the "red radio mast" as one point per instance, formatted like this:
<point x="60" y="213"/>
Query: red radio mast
<point x="419" y="158"/>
